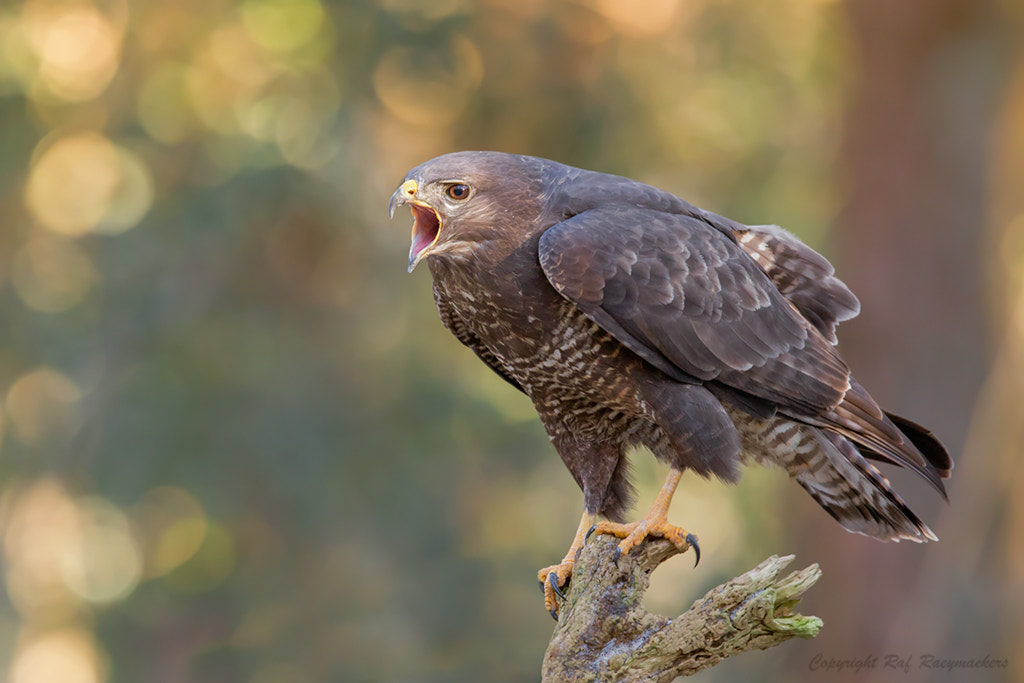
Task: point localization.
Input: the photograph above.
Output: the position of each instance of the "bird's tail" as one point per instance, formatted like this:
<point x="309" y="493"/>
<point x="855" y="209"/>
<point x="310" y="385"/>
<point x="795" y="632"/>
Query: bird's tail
<point x="834" y="471"/>
<point x="855" y="493"/>
<point x="887" y="438"/>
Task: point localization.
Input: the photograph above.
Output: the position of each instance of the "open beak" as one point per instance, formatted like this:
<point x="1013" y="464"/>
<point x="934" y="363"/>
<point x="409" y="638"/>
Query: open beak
<point x="426" y="226"/>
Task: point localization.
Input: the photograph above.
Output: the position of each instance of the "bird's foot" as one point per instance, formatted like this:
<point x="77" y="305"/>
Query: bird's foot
<point x="551" y="580"/>
<point x="634" y="533"/>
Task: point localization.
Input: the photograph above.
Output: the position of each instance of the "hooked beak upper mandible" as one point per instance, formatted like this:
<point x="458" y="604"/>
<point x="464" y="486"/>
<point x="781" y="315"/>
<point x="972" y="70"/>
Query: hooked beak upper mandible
<point x="402" y="195"/>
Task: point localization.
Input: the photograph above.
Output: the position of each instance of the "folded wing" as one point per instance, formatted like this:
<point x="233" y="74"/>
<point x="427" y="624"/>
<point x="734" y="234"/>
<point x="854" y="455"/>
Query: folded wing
<point x="685" y="297"/>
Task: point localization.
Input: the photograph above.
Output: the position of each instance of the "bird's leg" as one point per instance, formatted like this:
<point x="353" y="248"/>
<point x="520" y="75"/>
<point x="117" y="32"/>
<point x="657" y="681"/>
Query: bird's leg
<point x="654" y="523"/>
<point x="557" y="575"/>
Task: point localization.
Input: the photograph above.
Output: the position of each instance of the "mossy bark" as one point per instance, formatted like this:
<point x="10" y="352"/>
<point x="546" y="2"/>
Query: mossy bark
<point x="605" y="634"/>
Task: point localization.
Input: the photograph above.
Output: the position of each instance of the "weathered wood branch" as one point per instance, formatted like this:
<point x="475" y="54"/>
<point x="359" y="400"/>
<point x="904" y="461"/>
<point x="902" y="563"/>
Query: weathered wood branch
<point x="605" y="634"/>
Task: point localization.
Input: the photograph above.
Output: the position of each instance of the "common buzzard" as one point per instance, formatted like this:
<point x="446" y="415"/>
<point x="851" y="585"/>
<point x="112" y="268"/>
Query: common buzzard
<point x="632" y="318"/>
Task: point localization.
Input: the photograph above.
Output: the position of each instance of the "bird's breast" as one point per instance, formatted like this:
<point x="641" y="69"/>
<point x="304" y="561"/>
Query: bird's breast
<point x="563" y="360"/>
<point x="550" y="347"/>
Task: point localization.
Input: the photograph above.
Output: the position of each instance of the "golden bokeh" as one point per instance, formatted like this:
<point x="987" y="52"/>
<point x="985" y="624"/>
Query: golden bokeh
<point x="77" y="48"/>
<point x="283" y="25"/>
<point x="71" y="183"/>
<point x="103" y="564"/>
<point x="429" y="89"/>
<point x="163" y="107"/>
<point x="132" y="196"/>
<point x="657" y="16"/>
<point x="302" y="131"/>
<point x="84" y="182"/>
<point x="179" y="543"/>
<point x="60" y="552"/>
<point x="41" y="527"/>
<point x="172" y="526"/>
<point x="238" y="84"/>
<point x="67" y="655"/>
<point x="233" y="51"/>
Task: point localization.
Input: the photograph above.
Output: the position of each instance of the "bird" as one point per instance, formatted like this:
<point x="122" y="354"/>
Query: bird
<point x="634" y="319"/>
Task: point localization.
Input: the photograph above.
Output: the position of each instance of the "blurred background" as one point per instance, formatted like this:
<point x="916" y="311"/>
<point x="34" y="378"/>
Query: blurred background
<point x="237" y="444"/>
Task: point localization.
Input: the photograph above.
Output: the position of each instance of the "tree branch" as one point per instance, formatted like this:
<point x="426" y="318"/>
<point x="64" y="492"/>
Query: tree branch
<point x="605" y="634"/>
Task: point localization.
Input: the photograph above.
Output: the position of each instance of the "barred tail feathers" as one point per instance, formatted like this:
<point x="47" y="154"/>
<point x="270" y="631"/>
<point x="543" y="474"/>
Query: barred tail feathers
<point x="839" y="478"/>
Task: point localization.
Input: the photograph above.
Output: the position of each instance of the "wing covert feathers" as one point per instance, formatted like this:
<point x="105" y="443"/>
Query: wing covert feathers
<point x="685" y="297"/>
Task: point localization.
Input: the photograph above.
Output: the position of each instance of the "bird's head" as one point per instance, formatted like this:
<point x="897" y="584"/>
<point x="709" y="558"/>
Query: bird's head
<point x="463" y="200"/>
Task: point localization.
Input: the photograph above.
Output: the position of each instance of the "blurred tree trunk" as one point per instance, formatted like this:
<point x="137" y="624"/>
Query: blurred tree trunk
<point x="911" y="244"/>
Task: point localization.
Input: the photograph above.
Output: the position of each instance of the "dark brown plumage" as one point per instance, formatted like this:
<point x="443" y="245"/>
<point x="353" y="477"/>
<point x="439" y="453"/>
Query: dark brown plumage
<point x="632" y="318"/>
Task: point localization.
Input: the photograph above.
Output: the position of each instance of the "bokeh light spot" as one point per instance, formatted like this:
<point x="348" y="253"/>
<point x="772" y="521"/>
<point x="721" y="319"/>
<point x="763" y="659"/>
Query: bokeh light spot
<point x="301" y="132"/>
<point x="209" y="566"/>
<point x="260" y="118"/>
<point x="70" y="185"/>
<point x="282" y="25"/>
<point x="235" y="53"/>
<point x="104" y="564"/>
<point x="655" y="17"/>
<point x="429" y="89"/>
<point x="215" y="92"/>
<point x="172" y="526"/>
<point x="132" y="197"/>
<point x="43" y="407"/>
<point x="52" y="273"/>
<point x="67" y="655"/>
<point x="17" y="58"/>
<point x="78" y="50"/>
<point x="41" y="524"/>
<point x="85" y="183"/>
<point x="163" y="107"/>
<point x="179" y="542"/>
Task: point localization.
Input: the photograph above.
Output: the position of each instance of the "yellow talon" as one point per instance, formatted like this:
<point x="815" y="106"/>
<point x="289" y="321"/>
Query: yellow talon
<point x="653" y="524"/>
<point x="553" y="578"/>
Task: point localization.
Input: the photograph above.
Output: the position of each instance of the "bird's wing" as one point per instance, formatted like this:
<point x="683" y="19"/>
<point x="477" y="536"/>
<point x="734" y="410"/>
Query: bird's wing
<point x="458" y="327"/>
<point x="682" y="295"/>
<point x="802" y="275"/>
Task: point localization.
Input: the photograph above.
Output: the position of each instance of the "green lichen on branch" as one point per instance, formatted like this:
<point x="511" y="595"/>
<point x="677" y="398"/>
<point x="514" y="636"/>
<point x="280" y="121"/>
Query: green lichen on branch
<point x="605" y="634"/>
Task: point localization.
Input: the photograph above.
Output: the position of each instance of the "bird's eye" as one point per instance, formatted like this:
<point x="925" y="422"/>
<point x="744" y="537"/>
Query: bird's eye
<point x="458" y="191"/>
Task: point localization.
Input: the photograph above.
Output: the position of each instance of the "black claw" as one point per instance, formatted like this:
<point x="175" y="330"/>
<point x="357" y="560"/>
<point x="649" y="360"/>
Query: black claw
<point x="541" y="584"/>
<point x="553" y="580"/>
<point x="616" y="555"/>
<point x="692" y="541"/>
<point x="590" y="532"/>
<point x="554" y="613"/>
